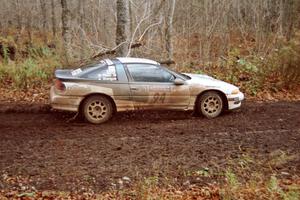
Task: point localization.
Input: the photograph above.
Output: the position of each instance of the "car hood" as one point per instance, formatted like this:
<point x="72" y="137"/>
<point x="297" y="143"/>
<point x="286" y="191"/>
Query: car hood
<point x="210" y="82"/>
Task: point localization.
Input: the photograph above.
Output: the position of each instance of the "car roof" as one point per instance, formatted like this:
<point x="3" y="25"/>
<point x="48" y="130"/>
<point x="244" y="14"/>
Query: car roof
<point x="137" y="60"/>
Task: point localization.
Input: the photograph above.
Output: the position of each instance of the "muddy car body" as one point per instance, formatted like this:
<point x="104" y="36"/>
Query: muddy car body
<point x="124" y="84"/>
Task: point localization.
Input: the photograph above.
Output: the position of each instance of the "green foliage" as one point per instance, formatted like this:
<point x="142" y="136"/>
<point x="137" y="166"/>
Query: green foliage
<point x="232" y="187"/>
<point x="28" y="73"/>
<point x="3" y="74"/>
<point x="203" y="172"/>
<point x="285" y="62"/>
<point x="145" y="187"/>
<point x="37" y="52"/>
<point x="244" y="71"/>
<point x="291" y="195"/>
<point x="245" y="161"/>
<point x="253" y="73"/>
<point x="5" y="54"/>
<point x="32" y="66"/>
<point x="247" y="66"/>
<point x="238" y="65"/>
<point x="232" y="179"/>
<point x="273" y="186"/>
<point x="278" y="69"/>
<point x="198" y="72"/>
<point x="276" y="191"/>
<point x="254" y="182"/>
<point x="5" y="43"/>
<point x="151" y="181"/>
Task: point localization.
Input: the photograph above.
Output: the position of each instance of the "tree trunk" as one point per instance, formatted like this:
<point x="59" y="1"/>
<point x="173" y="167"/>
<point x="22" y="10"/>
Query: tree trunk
<point x="44" y="19"/>
<point x="169" y="30"/>
<point x="81" y="28"/>
<point x="286" y="18"/>
<point x="17" y="6"/>
<point x="131" y="19"/>
<point x="122" y="27"/>
<point x="53" y="19"/>
<point x="29" y="26"/>
<point x="66" y="29"/>
<point x="290" y="8"/>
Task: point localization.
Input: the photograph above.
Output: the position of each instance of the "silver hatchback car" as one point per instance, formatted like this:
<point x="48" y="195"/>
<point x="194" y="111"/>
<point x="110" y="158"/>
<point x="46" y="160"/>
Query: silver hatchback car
<point x="113" y="85"/>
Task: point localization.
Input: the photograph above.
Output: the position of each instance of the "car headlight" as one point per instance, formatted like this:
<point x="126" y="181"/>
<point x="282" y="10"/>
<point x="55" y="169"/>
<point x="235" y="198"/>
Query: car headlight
<point x="236" y="91"/>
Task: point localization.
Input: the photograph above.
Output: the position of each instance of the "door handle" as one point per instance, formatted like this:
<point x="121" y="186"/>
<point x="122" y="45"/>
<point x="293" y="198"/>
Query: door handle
<point x="134" y="88"/>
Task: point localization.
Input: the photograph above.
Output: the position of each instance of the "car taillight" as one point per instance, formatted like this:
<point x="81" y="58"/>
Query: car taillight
<point x="59" y="85"/>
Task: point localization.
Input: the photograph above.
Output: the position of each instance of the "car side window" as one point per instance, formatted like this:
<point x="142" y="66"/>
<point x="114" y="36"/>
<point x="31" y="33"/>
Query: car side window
<point x="105" y="73"/>
<point x="149" y="73"/>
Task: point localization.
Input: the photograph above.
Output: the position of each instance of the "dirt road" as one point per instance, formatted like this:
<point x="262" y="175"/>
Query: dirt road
<point x="50" y="153"/>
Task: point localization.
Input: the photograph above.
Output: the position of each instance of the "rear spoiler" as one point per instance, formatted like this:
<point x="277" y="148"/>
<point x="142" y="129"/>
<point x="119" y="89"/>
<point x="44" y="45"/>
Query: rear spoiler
<point x="63" y="73"/>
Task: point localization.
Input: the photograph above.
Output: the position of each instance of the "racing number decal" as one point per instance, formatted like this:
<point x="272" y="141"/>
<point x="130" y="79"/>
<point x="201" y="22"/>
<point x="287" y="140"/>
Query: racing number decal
<point x="158" y="98"/>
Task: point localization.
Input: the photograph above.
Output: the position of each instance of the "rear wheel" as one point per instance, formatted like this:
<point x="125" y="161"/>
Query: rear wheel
<point x="210" y="104"/>
<point x="97" y="109"/>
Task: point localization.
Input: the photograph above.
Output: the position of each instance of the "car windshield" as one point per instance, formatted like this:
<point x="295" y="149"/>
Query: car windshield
<point x="184" y="76"/>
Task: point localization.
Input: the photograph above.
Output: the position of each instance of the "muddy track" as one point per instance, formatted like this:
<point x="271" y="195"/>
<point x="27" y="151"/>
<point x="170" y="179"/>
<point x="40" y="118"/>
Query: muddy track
<point x="56" y="154"/>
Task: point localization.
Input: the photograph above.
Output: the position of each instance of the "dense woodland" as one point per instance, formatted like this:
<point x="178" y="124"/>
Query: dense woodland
<point x="197" y="35"/>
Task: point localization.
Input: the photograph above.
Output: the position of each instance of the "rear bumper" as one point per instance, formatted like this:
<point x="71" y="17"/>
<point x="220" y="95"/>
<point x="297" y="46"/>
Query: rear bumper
<point x="67" y="103"/>
<point x="235" y="101"/>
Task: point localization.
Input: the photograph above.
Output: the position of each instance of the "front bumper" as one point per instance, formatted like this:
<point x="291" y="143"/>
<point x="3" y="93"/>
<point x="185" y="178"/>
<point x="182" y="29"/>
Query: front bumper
<point x="67" y="103"/>
<point x="235" y="100"/>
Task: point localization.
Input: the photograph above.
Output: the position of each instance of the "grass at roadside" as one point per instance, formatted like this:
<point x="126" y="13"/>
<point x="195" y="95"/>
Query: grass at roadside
<point x="243" y="178"/>
<point x="29" y="73"/>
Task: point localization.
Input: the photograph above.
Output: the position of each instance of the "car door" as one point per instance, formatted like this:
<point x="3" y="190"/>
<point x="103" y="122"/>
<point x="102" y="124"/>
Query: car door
<point x="152" y="87"/>
<point x="111" y="80"/>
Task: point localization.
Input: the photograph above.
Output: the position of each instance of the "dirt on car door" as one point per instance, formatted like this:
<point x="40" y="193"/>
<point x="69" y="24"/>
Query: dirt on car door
<point x="159" y="95"/>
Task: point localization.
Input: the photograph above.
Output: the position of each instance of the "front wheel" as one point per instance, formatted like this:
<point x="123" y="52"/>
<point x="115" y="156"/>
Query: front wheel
<point x="97" y="109"/>
<point x="210" y="104"/>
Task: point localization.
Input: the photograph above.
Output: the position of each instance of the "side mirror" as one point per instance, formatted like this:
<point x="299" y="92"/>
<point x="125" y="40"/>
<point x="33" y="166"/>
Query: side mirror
<point x="178" y="81"/>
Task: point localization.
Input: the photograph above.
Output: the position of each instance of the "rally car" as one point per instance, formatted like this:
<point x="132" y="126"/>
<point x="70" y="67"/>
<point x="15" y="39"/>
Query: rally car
<point x="99" y="90"/>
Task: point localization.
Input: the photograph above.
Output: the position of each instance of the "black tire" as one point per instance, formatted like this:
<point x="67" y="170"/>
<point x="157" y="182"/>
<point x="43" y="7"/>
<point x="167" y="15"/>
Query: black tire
<point x="97" y="109"/>
<point x="210" y="104"/>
